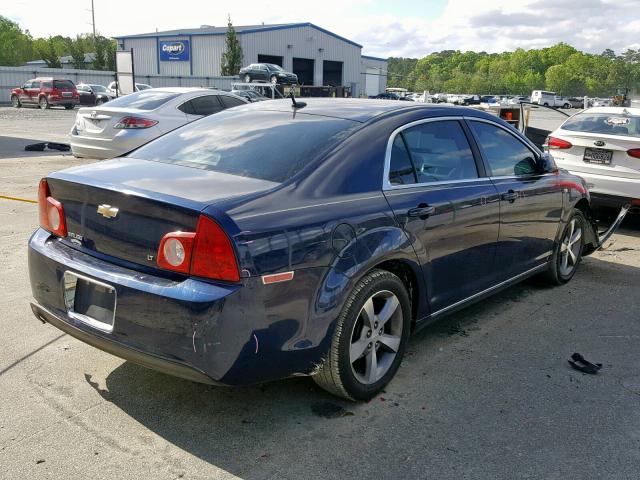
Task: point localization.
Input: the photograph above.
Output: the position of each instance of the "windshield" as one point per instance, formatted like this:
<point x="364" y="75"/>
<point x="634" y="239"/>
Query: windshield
<point x="277" y="68"/>
<point x="604" y="123"/>
<point x="266" y="145"/>
<point x="98" y="88"/>
<point x="143" y="100"/>
<point x="142" y="86"/>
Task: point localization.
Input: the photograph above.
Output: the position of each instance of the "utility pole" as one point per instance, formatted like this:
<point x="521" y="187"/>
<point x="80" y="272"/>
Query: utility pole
<point x="93" y="20"/>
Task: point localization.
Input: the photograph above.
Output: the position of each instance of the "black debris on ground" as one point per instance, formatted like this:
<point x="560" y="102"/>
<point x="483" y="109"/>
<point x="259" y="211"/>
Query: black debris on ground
<point x="329" y="410"/>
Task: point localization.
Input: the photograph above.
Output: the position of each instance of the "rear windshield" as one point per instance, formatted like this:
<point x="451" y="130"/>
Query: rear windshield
<point x="605" y="123"/>
<point x="63" y="84"/>
<point x="143" y="100"/>
<point x="267" y="145"/>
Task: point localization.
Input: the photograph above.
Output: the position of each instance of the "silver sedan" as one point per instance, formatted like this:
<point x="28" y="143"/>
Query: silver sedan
<point x="123" y="124"/>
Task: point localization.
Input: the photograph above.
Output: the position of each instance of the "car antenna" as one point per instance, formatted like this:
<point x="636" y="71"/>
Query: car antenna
<point x="295" y="103"/>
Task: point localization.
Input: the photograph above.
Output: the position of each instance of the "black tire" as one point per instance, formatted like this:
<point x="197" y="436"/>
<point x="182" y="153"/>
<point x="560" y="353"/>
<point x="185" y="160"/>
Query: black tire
<point x="69" y="107"/>
<point x="273" y="80"/>
<point x="247" y="78"/>
<point x="15" y="101"/>
<point x="545" y="104"/>
<point x="337" y="374"/>
<point x="557" y="274"/>
<point x="567" y="106"/>
<point x="43" y="103"/>
<point x="99" y="102"/>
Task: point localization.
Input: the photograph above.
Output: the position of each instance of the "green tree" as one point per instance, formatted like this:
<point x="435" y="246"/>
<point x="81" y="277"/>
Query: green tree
<point x="47" y="52"/>
<point x="16" y="45"/>
<point x="76" y="48"/>
<point x="232" y="57"/>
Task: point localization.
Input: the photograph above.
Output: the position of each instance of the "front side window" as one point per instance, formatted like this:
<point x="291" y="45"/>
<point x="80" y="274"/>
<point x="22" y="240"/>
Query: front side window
<point x="440" y="152"/>
<point x="230" y="102"/>
<point x="505" y="154"/>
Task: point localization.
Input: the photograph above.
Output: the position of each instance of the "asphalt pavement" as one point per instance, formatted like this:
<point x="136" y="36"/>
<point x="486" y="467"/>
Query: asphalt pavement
<point x="484" y="394"/>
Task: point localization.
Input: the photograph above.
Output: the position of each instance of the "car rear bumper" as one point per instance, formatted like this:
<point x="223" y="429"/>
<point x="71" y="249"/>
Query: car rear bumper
<point x="620" y="189"/>
<point x="63" y="101"/>
<point x="104" y="147"/>
<point x="212" y="333"/>
<point x="155" y="362"/>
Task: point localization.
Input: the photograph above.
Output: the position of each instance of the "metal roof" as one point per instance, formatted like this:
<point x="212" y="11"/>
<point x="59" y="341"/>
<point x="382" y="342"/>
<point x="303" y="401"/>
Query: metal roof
<point x="243" y="29"/>
<point x="358" y="109"/>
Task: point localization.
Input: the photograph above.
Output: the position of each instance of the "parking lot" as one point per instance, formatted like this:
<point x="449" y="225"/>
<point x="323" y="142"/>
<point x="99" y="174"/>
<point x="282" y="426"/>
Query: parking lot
<point x="485" y="393"/>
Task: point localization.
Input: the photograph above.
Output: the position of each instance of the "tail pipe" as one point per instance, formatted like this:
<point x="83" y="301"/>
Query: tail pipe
<point x="603" y="237"/>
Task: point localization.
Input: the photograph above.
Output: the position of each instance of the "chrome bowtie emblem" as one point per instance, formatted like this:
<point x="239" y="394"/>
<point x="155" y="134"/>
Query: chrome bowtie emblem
<point x="599" y="143"/>
<point x="94" y="114"/>
<point x="107" y="211"/>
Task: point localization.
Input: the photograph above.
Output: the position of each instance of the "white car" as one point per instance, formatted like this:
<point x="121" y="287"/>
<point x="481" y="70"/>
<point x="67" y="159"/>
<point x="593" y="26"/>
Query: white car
<point x="602" y="145"/>
<point x="128" y="122"/>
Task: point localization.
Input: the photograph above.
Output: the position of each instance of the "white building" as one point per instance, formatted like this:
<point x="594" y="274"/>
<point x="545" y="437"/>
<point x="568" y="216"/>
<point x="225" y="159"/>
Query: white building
<point x="317" y="56"/>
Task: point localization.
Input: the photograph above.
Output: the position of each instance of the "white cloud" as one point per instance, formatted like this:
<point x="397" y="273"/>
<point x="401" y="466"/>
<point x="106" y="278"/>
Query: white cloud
<point x="490" y="25"/>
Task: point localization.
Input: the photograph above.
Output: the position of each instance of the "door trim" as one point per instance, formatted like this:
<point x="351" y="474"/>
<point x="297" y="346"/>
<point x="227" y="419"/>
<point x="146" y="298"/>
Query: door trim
<point x="488" y="290"/>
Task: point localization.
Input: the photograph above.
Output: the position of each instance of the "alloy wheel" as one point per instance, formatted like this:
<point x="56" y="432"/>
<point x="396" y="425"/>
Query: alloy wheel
<point x="570" y="248"/>
<point x="376" y="337"/>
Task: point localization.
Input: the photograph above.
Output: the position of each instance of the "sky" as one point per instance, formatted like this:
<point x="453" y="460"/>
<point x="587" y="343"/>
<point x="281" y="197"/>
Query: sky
<point x="408" y="28"/>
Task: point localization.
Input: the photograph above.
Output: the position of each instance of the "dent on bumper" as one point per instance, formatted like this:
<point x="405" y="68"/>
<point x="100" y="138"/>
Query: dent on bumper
<point x="227" y="334"/>
<point x="148" y="360"/>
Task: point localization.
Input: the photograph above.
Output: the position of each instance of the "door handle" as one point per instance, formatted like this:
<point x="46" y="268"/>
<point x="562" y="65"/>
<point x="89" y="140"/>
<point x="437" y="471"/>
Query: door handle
<point x="423" y="211"/>
<point x="510" y="196"/>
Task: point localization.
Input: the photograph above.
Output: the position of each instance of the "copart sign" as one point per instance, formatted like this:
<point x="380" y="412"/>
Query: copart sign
<point x="174" y="50"/>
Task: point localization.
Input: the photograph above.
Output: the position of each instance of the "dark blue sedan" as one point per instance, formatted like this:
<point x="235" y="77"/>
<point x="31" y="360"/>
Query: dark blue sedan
<point x="269" y="241"/>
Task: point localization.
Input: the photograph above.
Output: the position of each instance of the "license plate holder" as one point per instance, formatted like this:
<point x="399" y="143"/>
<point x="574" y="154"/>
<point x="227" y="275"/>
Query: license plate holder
<point x="67" y="94"/>
<point x="598" y="156"/>
<point x="90" y="301"/>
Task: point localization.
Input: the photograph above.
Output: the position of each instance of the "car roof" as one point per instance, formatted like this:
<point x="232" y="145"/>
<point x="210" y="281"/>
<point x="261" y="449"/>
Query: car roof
<point x="358" y="109"/>
<point x="614" y="110"/>
<point x="185" y="90"/>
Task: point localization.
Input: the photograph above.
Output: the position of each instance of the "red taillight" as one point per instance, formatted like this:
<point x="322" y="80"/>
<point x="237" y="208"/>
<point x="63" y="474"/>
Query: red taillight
<point x="206" y="253"/>
<point x="557" y="143"/>
<point x="634" y="152"/>
<point x="135" y="122"/>
<point x="175" y="251"/>
<point x="51" y="211"/>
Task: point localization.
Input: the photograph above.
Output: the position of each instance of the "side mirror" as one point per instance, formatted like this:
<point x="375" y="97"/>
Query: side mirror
<point x="547" y="164"/>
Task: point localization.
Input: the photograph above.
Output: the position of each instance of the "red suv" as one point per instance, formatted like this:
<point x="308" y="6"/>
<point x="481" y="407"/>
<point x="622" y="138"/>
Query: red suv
<point x="46" y="92"/>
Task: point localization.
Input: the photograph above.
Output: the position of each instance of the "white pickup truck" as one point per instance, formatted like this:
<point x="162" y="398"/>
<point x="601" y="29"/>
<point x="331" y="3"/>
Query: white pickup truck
<point x="549" y="99"/>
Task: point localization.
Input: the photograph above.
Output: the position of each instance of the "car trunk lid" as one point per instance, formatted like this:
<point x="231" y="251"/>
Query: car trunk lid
<point x="122" y="208"/>
<point x="100" y="121"/>
<point x="622" y="164"/>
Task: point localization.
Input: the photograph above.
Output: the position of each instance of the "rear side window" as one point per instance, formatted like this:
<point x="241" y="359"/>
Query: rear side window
<point x="44" y="85"/>
<point x="604" y="123"/>
<point x="440" y="152"/>
<point x="400" y="168"/>
<point x="149" y="100"/>
<point x="230" y="102"/>
<point x="505" y="154"/>
<point x="205" y="105"/>
<point x="68" y="84"/>
<point x="267" y="145"/>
